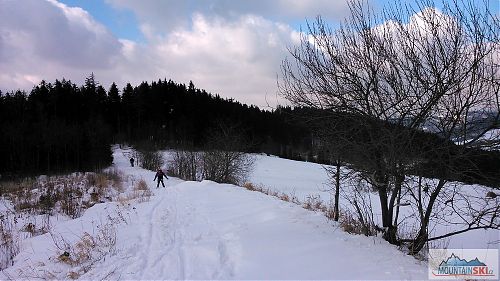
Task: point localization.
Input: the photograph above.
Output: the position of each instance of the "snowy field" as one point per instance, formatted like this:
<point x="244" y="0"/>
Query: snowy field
<point x="305" y="179"/>
<point x="205" y="230"/>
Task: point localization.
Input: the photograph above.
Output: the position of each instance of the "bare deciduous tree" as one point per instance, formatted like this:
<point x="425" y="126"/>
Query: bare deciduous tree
<point x="404" y="72"/>
<point x="225" y="159"/>
<point x="186" y="165"/>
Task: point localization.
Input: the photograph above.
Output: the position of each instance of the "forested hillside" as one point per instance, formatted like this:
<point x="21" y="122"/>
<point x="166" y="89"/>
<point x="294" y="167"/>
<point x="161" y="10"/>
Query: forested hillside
<point x="63" y="127"/>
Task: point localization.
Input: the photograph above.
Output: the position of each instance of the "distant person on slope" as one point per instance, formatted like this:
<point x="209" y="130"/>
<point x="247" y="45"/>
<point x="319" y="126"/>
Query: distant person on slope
<point x="132" y="162"/>
<point x="159" y="175"/>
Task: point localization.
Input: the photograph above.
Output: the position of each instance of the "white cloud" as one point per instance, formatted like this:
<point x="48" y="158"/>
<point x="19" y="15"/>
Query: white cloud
<point x="237" y="57"/>
<point x="164" y="16"/>
<point x="50" y="40"/>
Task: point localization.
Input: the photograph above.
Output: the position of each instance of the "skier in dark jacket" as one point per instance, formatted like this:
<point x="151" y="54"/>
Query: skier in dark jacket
<point x="159" y="175"/>
<point x="132" y="162"/>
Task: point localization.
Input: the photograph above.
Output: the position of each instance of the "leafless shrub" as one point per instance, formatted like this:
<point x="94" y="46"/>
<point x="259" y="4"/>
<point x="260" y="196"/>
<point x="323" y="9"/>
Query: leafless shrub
<point x="331" y="213"/>
<point x="150" y="160"/>
<point x="141" y="192"/>
<point x="88" y="250"/>
<point x="224" y="159"/>
<point x="24" y="206"/>
<point x="116" y="177"/>
<point x="350" y="224"/>
<point x="226" y="166"/>
<point x="215" y="165"/>
<point x="99" y="184"/>
<point x="83" y="249"/>
<point x="9" y="240"/>
<point x="62" y="193"/>
<point x="357" y="193"/>
<point x="46" y="202"/>
<point x="186" y="165"/>
<point x="259" y="188"/>
<point x="294" y="199"/>
<point x="23" y="199"/>
<point x="91" y="180"/>
<point x="314" y="203"/>
<point x="46" y="195"/>
<point x="29" y="227"/>
<point x="60" y="243"/>
<point x="35" y="227"/>
<point x="71" y="201"/>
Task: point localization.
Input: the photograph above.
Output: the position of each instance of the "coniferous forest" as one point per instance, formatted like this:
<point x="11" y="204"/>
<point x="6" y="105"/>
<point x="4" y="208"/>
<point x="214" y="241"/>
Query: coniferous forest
<point x="61" y="127"/>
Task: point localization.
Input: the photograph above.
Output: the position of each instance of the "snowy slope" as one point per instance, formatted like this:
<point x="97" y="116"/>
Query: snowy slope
<point x="308" y="179"/>
<point x="205" y="230"/>
<point x="297" y="177"/>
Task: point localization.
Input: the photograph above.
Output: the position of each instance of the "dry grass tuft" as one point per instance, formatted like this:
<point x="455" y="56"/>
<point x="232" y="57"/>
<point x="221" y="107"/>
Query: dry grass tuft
<point x="141" y="185"/>
<point x="353" y="225"/>
<point x="83" y="249"/>
<point x="139" y="195"/>
<point x="145" y="196"/>
<point x="249" y="186"/>
<point x="88" y="250"/>
<point x="73" y="275"/>
<point x="9" y="240"/>
<point x="50" y="195"/>
<point x="330" y="212"/>
<point x="314" y="203"/>
<point x="284" y="197"/>
<point x="115" y="176"/>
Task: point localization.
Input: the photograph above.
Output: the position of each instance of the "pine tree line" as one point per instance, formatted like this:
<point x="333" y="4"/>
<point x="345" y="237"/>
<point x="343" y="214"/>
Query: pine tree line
<point x="61" y="127"/>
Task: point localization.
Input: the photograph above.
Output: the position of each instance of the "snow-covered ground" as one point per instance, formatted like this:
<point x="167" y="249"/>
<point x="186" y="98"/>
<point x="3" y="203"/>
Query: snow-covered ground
<point x="305" y="179"/>
<point x="205" y="230"/>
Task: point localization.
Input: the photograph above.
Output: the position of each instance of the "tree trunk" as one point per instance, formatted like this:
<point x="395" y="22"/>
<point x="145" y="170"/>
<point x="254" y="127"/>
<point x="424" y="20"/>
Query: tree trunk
<point x="386" y="216"/>
<point x="337" y="193"/>
<point x="422" y="236"/>
<point x="398" y="202"/>
<point x="390" y="230"/>
<point x="396" y="193"/>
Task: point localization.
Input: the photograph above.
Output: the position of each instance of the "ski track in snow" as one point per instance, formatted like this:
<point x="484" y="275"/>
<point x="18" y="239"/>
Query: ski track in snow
<point x="176" y="241"/>
<point x="205" y="230"/>
<point x="171" y="248"/>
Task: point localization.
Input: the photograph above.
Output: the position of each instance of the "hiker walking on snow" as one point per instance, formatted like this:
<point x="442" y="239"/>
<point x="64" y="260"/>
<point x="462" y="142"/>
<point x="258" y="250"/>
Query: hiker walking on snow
<point x="159" y="175"/>
<point x="132" y="162"/>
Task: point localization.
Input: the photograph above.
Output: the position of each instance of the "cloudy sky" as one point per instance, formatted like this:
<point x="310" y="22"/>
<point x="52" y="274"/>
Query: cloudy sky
<point x="233" y="48"/>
